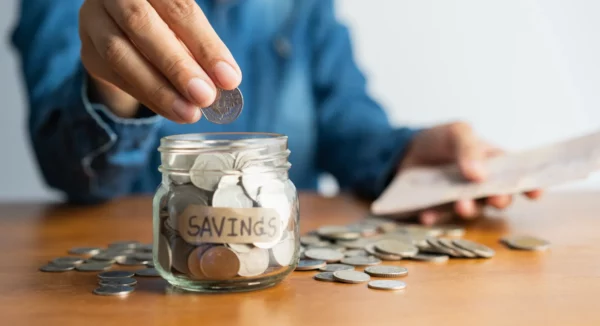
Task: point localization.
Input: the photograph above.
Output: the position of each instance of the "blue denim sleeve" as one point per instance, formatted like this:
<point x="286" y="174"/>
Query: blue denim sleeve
<point x="357" y="143"/>
<point x="82" y="149"/>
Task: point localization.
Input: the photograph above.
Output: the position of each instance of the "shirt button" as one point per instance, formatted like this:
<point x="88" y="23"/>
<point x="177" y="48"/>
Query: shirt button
<point x="283" y="46"/>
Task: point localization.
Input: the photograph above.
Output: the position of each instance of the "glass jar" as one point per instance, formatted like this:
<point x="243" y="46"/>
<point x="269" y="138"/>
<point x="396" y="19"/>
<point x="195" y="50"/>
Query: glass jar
<point x="226" y="214"/>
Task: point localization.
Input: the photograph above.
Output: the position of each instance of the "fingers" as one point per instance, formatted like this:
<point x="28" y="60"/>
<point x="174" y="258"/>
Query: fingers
<point x="118" y="53"/>
<point x="468" y="150"/>
<point x="535" y="194"/>
<point x="499" y="202"/>
<point x="436" y="216"/>
<point x="186" y="19"/>
<point x="160" y="46"/>
<point x="468" y="209"/>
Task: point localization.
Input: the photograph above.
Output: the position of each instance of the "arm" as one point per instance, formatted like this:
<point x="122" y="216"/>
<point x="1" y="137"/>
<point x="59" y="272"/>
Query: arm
<point x="82" y="149"/>
<point x="357" y="144"/>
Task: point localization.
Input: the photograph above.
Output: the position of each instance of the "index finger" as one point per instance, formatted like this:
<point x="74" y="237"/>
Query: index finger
<point x="190" y="24"/>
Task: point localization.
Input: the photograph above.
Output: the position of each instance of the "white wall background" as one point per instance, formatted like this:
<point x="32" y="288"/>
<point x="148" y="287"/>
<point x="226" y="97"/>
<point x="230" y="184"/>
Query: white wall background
<point x="524" y="72"/>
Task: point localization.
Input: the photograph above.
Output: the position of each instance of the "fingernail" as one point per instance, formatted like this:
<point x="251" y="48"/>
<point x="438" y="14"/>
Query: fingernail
<point x="476" y="169"/>
<point x="227" y="76"/>
<point x="186" y="111"/>
<point x="201" y="92"/>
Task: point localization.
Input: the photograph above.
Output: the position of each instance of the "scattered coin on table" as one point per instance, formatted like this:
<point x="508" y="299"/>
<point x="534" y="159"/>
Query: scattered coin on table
<point x="115" y="274"/>
<point x="524" y="242"/>
<point x="349" y="276"/>
<point x="147" y="272"/>
<point x="325" y="277"/>
<point x="386" y="271"/>
<point x="308" y="265"/>
<point x="128" y="281"/>
<point x="119" y="290"/>
<point x="388" y="285"/>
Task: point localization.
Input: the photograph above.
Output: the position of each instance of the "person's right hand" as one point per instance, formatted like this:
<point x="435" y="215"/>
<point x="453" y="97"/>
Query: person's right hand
<point x="164" y="53"/>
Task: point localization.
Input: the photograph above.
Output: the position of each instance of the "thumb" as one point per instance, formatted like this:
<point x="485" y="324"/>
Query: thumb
<point x="469" y="151"/>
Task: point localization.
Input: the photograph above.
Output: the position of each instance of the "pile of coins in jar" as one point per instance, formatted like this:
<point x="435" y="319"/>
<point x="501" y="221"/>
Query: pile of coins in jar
<point x="227" y="214"/>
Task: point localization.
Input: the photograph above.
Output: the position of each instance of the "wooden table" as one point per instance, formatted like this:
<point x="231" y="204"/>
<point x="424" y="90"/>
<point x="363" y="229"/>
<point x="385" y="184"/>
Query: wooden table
<point x="557" y="287"/>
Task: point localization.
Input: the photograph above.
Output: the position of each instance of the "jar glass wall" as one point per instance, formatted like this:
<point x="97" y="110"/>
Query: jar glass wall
<point x="226" y="214"/>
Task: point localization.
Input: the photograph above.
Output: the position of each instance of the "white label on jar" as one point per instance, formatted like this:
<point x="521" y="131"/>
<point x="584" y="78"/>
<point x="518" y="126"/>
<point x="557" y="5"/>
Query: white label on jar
<point x="199" y="224"/>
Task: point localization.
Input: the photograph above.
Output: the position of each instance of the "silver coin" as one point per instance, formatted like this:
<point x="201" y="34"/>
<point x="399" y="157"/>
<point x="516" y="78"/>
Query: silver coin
<point x="132" y="244"/>
<point x="336" y="267"/>
<point x="130" y="261"/>
<point x="338" y="232"/>
<point x="93" y="267"/>
<point x="181" y="197"/>
<point x="179" y="164"/>
<point x="349" y="276"/>
<point x="272" y="195"/>
<point x="204" y="172"/>
<point x="325" y="277"/>
<point x="462" y="252"/>
<point x="248" y="157"/>
<point x="147" y="247"/>
<point x="143" y="256"/>
<point x="386" y="271"/>
<point x="84" y="250"/>
<point x="254" y="262"/>
<point x="228" y="180"/>
<point x="227" y="107"/>
<point x="52" y="268"/>
<point x="371" y="250"/>
<point x="355" y="244"/>
<point x="282" y="253"/>
<point x="232" y="197"/>
<point x="240" y="247"/>
<point x="254" y="177"/>
<point x="435" y="246"/>
<point x="67" y="261"/>
<point x="389" y="285"/>
<point x="477" y="248"/>
<point x="361" y="261"/>
<point x="114" y="290"/>
<point x="309" y="240"/>
<point x="395" y="247"/>
<point x="436" y="258"/>
<point x="309" y="265"/>
<point x="328" y="255"/>
<point x="108" y="256"/>
<point x="128" y="281"/>
<point x="355" y="252"/>
<point x="147" y="272"/>
<point x="115" y="274"/>
<point x="524" y="242"/>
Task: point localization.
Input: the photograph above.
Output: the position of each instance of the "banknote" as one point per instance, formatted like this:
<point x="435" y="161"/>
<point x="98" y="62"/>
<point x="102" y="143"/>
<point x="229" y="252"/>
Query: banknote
<point x="549" y="165"/>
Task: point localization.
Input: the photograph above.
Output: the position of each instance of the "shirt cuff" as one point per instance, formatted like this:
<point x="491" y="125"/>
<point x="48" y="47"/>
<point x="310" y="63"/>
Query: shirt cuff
<point x="394" y="147"/>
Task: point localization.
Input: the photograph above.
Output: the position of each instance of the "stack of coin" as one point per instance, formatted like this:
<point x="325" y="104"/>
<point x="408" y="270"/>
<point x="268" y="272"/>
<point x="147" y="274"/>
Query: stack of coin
<point x="95" y="259"/>
<point x="214" y="205"/>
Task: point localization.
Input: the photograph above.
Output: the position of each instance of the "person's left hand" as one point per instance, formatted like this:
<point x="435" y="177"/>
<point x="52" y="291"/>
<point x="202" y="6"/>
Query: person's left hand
<point x="455" y="143"/>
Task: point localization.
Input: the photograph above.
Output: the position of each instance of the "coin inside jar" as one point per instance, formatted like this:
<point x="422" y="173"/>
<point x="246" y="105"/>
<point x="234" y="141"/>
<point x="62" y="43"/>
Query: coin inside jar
<point x="219" y="263"/>
<point x="194" y="261"/>
<point x="253" y="262"/>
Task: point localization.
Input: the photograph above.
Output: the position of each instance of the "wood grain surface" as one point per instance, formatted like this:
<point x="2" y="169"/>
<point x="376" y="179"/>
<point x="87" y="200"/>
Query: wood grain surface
<point x="558" y="287"/>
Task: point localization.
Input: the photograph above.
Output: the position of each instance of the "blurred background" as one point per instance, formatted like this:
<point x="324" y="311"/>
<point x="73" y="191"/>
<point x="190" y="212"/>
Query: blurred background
<point x="523" y="72"/>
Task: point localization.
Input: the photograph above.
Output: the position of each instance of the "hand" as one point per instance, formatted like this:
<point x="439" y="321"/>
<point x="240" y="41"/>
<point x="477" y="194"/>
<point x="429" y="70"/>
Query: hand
<point x="164" y="53"/>
<point x="456" y="143"/>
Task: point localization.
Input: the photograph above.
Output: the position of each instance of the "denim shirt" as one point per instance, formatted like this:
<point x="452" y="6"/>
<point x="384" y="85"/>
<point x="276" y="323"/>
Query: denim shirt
<point x="300" y="79"/>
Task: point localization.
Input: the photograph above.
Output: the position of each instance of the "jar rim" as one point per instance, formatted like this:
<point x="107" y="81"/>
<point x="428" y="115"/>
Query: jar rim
<point x="219" y="138"/>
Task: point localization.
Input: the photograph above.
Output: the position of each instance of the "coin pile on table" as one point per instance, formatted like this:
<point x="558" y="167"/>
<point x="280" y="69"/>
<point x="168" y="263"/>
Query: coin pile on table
<point x="196" y="241"/>
<point x="96" y="259"/>
<point x="336" y="251"/>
